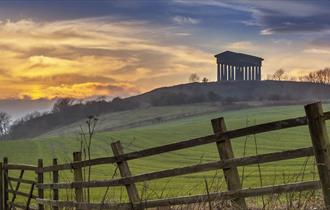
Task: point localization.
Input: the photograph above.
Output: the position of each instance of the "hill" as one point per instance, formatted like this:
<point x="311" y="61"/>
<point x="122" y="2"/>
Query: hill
<point x="229" y="94"/>
<point x="239" y="91"/>
<point x="21" y="151"/>
<point x="138" y="118"/>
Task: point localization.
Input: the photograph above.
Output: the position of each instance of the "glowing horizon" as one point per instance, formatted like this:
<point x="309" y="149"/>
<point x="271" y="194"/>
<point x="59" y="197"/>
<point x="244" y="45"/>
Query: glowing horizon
<point x="123" y="52"/>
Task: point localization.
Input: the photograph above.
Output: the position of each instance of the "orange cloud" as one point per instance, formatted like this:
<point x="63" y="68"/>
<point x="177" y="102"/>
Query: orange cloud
<point x="102" y="56"/>
<point x="39" y="55"/>
<point x="82" y="90"/>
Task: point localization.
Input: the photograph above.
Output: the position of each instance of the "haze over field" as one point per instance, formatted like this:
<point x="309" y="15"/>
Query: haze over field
<point x="58" y="49"/>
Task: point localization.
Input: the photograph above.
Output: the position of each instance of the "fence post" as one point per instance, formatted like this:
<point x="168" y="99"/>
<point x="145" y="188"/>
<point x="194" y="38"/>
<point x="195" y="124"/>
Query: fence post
<point x="78" y="177"/>
<point x="226" y="152"/>
<point x="321" y="145"/>
<point x="40" y="178"/>
<point x="1" y="187"/>
<point x="5" y="183"/>
<point x="124" y="170"/>
<point x="55" y="180"/>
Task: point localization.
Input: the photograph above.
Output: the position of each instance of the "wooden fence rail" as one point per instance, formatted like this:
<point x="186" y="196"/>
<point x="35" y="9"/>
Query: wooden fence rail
<point x="11" y="186"/>
<point x="315" y="119"/>
<point x="229" y="163"/>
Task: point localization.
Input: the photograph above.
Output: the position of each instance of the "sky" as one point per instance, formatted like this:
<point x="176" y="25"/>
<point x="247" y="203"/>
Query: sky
<point x="88" y="48"/>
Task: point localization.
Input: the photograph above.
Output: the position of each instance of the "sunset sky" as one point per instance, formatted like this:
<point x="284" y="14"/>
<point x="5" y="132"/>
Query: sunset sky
<point x="80" y="49"/>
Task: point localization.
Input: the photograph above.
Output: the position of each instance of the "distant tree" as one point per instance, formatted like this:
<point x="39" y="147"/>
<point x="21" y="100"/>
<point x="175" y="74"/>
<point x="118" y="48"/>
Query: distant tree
<point x="117" y="99"/>
<point x="62" y="104"/>
<point x="205" y="80"/>
<point x="278" y="75"/>
<point x="293" y="78"/>
<point x="4" y="123"/>
<point x="321" y="76"/>
<point x="194" y="78"/>
<point x="101" y="98"/>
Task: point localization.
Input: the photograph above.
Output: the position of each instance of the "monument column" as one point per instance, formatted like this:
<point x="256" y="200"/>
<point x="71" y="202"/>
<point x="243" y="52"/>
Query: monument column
<point x="251" y="73"/>
<point x="224" y="72"/>
<point x="246" y="73"/>
<point x="234" y="72"/>
<point x="229" y="72"/>
<point x="218" y="72"/>
<point x="240" y="72"/>
<point x="258" y="72"/>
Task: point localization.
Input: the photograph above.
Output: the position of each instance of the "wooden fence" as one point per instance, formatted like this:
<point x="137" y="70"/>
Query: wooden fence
<point x="315" y="119"/>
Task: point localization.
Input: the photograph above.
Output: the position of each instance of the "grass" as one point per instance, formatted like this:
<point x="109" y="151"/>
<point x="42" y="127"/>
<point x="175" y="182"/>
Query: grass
<point x="28" y="151"/>
<point x="139" y="117"/>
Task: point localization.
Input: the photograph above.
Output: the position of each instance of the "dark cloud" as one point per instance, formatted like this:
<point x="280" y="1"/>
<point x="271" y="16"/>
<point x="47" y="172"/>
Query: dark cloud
<point x="291" y="16"/>
<point x="151" y="59"/>
<point x="280" y="16"/>
<point x="286" y="24"/>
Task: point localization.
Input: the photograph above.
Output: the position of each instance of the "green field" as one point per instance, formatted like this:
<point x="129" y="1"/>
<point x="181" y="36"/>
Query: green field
<point x="61" y="147"/>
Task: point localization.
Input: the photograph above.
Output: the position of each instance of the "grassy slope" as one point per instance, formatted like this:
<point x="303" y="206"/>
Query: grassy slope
<point x="139" y="117"/>
<point x="25" y="151"/>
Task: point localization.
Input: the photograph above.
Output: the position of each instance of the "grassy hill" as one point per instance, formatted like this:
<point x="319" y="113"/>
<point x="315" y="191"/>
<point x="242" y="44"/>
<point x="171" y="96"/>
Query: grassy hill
<point x="240" y="91"/>
<point x="68" y="114"/>
<point x="139" y="117"/>
<point x="23" y="151"/>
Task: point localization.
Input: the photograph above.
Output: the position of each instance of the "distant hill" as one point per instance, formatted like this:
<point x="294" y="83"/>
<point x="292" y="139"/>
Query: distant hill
<point x="241" y="91"/>
<point x="228" y="94"/>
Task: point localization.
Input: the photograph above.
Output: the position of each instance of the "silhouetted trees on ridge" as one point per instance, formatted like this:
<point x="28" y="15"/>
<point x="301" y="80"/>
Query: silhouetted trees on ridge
<point x="64" y="111"/>
<point x="321" y="76"/>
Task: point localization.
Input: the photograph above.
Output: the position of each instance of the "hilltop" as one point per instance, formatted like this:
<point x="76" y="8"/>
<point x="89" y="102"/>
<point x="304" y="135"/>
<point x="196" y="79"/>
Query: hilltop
<point x="225" y="95"/>
<point x="241" y="91"/>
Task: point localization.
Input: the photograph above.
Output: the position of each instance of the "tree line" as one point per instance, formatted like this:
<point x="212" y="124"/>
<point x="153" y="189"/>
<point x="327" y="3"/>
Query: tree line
<point x="321" y="76"/>
<point x="64" y="111"/>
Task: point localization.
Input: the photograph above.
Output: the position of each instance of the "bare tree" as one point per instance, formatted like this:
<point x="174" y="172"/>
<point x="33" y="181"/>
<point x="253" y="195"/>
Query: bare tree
<point x="194" y="78"/>
<point x="4" y="123"/>
<point x="62" y="104"/>
<point x="320" y="76"/>
<point x="205" y="80"/>
<point x="86" y="146"/>
<point x="278" y="75"/>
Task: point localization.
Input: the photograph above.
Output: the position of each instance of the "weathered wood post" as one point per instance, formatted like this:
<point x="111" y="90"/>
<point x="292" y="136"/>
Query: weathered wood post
<point x="28" y="202"/>
<point x="5" y="183"/>
<point x="40" y="177"/>
<point x="1" y="187"/>
<point x="321" y="145"/>
<point x="55" y="180"/>
<point x="124" y="170"/>
<point x="226" y="152"/>
<point x="78" y="177"/>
